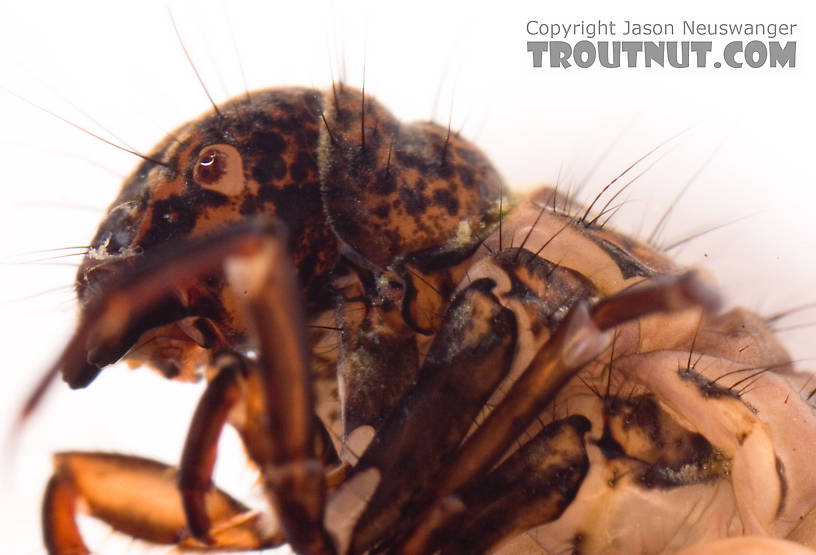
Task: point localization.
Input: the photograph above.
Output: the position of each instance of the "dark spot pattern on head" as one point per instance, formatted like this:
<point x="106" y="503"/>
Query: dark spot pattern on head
<point x="432" y="182"/>
<point x="268" y="148"/>
<point x="385" y="185"/>
<point x="382" y="211"/>
<point x="171" y="218"/>
<point x="444" y="198"/>
<point x="413" y="200"/>
<point x="250" y="205"/>
<point x="304" y="164"/>
<point x="466" y="177"/>
<point x="410" y="160"/>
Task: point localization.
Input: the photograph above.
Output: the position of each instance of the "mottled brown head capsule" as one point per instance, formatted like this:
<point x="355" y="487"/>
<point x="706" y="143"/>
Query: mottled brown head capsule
<point x="297" y="155"/>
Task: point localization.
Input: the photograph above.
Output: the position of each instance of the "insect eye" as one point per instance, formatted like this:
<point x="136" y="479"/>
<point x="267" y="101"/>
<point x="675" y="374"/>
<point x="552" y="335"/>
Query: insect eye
<point x="220" y="168"/>
<point x="210" y="166"/>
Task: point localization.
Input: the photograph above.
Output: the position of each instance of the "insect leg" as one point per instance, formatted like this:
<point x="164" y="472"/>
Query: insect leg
<point x="533" y="486"/>
<point x="574" y="345"/>
<point x="254" y="253"/>
<point x="470" y="355"/>
<point x="410" y="448"/>
<point x="233" y="395"/>
<point x="198" y="456"/>
<point x="293" y="475"/>
<point x="138" y="497"/>
<point x="576" y="342"/>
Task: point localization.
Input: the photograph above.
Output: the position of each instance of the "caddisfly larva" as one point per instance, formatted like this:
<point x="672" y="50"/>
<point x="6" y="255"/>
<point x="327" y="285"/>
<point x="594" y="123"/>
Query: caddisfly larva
<point x="540" y="156"/>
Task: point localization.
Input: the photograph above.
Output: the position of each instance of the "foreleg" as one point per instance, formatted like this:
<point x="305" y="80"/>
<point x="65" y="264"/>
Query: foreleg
<point x="140" y="498"/>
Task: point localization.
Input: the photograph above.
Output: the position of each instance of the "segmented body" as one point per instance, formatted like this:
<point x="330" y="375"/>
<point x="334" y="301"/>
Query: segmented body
<point x="427" y="293"/>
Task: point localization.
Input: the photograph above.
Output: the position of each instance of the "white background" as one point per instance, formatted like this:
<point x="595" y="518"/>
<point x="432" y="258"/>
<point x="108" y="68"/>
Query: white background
<point x="122" y="66"/>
